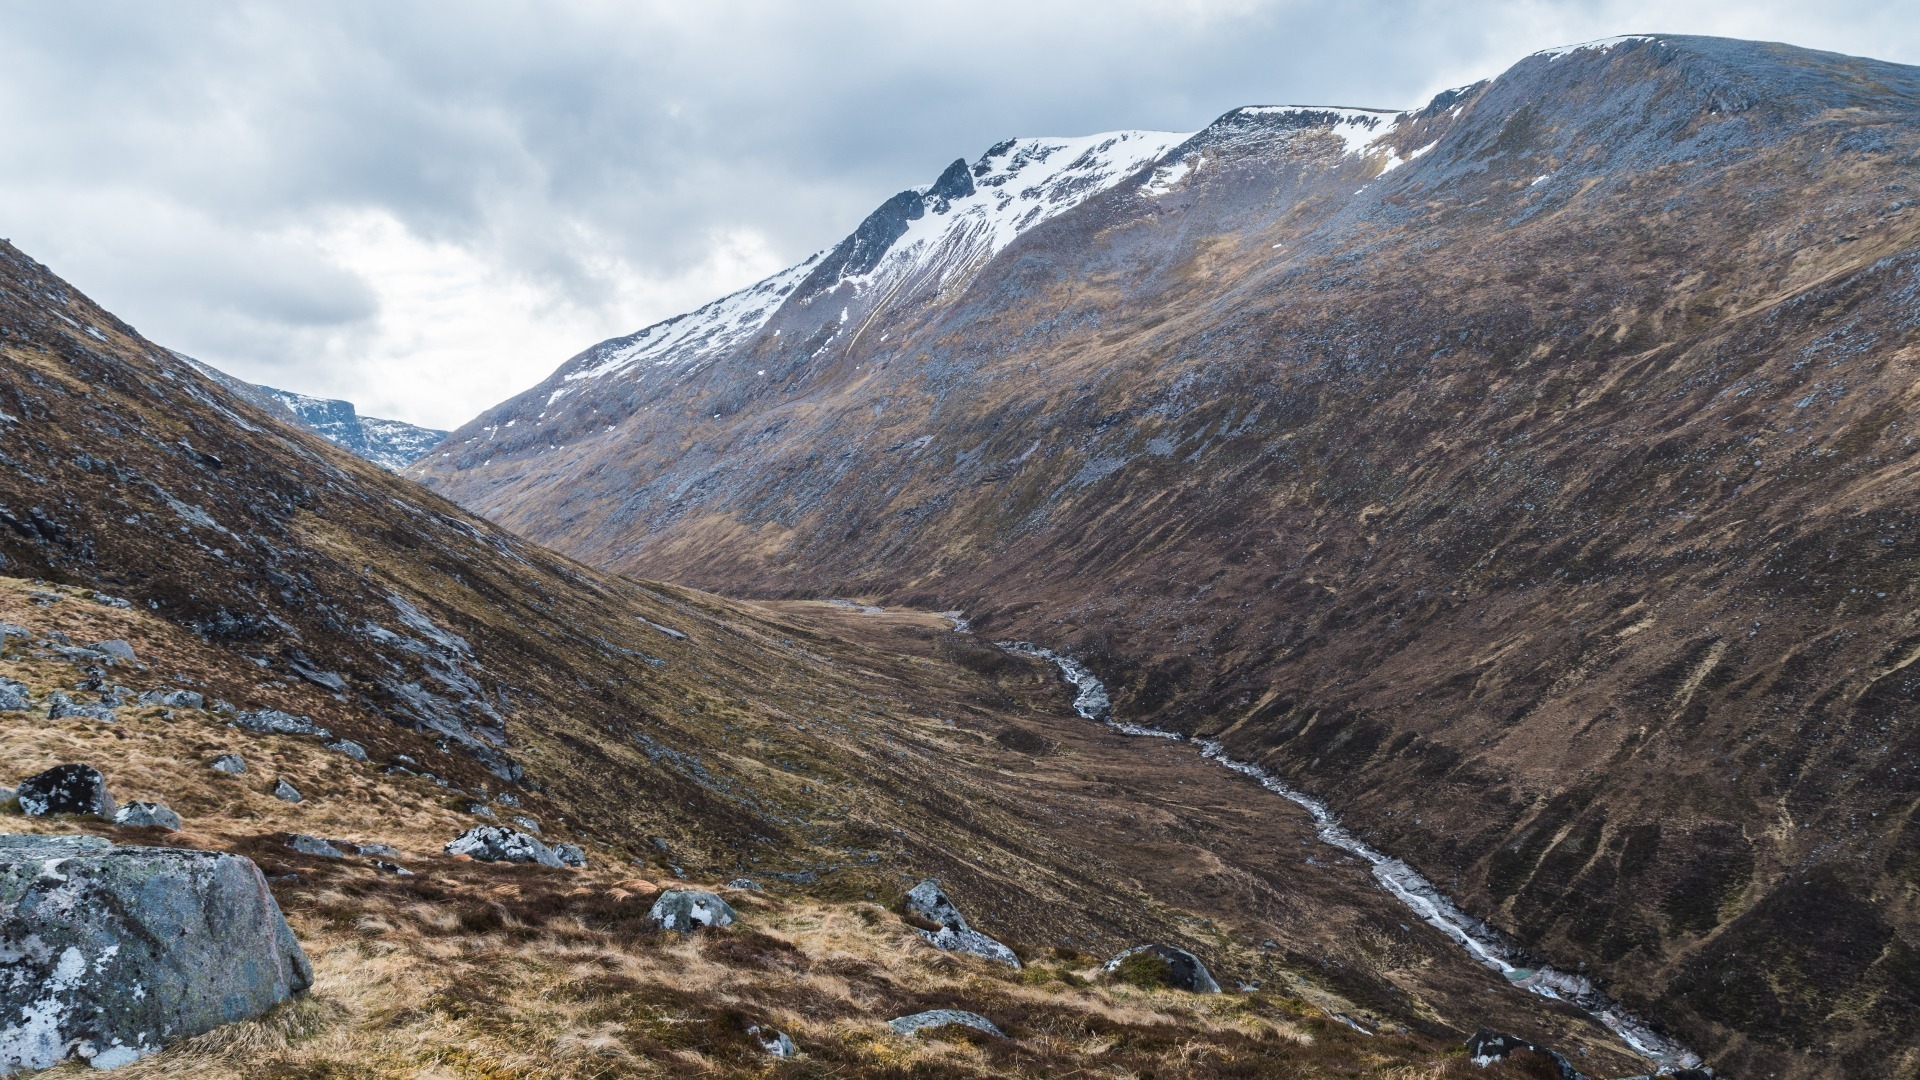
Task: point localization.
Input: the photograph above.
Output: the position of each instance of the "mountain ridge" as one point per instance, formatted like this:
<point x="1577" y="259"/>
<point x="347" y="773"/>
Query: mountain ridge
<point x="392" y="444"/>
<point x="1489" y="498"/>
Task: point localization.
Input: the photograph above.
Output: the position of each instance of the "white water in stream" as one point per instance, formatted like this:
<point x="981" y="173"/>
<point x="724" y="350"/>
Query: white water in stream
<point x="1484" y="943"/>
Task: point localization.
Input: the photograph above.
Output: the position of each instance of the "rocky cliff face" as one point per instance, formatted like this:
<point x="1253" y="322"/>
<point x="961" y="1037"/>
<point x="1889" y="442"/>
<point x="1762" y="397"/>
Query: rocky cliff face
<point x="394" y="444"/>
<point x="1529" y="474"/>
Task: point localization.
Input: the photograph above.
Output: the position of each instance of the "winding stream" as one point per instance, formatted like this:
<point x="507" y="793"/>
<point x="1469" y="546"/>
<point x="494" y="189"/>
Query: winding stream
<point x="1486" y="945"/>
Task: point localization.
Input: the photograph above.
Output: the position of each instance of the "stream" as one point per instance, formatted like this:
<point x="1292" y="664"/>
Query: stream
<point x="1486" y="945"/>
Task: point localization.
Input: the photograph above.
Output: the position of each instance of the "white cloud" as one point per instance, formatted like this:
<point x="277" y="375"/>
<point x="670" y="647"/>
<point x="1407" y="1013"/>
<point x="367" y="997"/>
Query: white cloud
<point x="427" y="206"/>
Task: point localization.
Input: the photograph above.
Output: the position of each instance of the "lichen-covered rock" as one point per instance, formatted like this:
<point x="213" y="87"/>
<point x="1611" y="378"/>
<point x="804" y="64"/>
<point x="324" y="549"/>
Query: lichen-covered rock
<point x="275" y="722"/>
<point x="111" y="952"/>
<point x="286" y="792"/>
<point x="156" y="815"/>
<point x="13" y="696"/>
<point x="66" y="789"/>
<point x="571" y="854"/>
<point x="934" y="1018"/>
<point x="231" y="764"/>
<point x="687" y="910"/>
<point x="1184" y="971"/>
<point x="1487" y="1046"/>
<point x="927" y="901"/>
<point x="526" y="823"/>
<point x="494" y="843"/>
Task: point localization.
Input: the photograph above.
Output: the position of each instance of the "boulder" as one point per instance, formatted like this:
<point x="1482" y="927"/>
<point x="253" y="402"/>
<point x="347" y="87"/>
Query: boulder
<point x="286" y="792"/>
<point x="571" y="854"/>
<point x="66" y="789"/>
<point x="1184" y="970"/>
<point x="14" y="696"/>
<point x="116" y="648"/>
<point x="526" y="823"/>
<point x="934" y="1018"/>
<point x="313" y="845"/>
<point x="927" y="901"/>
<point x="61" y="708"/>
<point x="350" y="748"/>
<point x="149" y="814"/>
<point x="231" y="764"/>
<point x="113" y="952"/>
<point x="480" y="809"/>
<point x="687" y="910"/>
<point x="1487" y="1046"/>
<point x="773" y="1042"/>
<point x="494" y="843"/>
<point x="275" y="722"/>
<point x="173" y="699"/>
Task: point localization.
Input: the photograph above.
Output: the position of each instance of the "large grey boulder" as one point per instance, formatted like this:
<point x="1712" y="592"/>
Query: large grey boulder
<point x="927" y="901"/>
<point x="1184" y="971"/>
<point x="66" y="789"/>
<point x="687" y="910"/>
<point x="935" y="1018"/>
<point x="113" y="952"/>
<point x="495" y="843"/>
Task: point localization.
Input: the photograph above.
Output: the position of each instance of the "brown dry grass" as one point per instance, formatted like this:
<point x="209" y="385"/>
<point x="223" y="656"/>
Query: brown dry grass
<point x="475" y="970"/>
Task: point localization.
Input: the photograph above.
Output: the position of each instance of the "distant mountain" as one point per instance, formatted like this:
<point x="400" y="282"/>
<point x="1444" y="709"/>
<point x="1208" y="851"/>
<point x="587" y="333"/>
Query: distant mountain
<point x="394" y="444"/>
<point x="1531" y="475"/>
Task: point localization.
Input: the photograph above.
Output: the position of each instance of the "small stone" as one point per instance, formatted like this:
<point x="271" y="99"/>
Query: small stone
<point x="285" y="792"/>
<point x="368" y="849"/>
<point x="935" y="1018"/>
<point x="741" y="883"/>
<point x="11" y="701"/>
<point x="66" y="789"/>
<point x="313" y="845"/>
<point x="392" y="868"/>
<point x="350" y="748"/>
<point x="482" y="810"/>
<point x="147" y="815"/>
<point x="571" y="854"/>
<point x="526" y="823"/>
<point x="687" y="910"/>
<point x="62" y="709"/>
<point x="773" y="1042"/>
<point x="232" y="764"/>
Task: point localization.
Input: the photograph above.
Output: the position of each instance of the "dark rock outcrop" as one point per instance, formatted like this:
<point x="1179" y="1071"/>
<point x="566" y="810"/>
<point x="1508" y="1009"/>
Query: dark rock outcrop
<point x="313" y="845"/>
<point x="1487" y="1046"/>
<point x="275" y="722"/>
<point x="774" y="1042"/>
<point x="66" y="789"/>
<point x="114" y="952"/>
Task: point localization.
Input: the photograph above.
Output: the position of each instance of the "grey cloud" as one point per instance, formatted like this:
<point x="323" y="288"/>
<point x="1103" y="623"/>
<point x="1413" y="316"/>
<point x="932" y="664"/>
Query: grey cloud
<point x="556" y="141"/>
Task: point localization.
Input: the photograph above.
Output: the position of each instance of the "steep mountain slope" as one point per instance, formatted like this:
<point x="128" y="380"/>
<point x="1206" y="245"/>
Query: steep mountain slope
<point x="1530" y="475"/>
<point x="392" y="443"/>
<point x="831" y="755"/>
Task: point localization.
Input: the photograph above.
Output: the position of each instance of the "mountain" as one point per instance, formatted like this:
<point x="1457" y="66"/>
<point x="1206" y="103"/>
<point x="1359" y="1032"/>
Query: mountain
<point x="412" y="671"/>
<point x="1528" y="475"/>
<point x="394" y="444"/>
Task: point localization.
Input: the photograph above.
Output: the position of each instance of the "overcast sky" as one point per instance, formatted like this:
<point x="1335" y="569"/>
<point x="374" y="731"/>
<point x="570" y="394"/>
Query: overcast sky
<point x="425" y="207"/>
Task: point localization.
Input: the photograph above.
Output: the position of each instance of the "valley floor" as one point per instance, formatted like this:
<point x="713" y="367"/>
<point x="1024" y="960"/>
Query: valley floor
<point x="465" y="969"/>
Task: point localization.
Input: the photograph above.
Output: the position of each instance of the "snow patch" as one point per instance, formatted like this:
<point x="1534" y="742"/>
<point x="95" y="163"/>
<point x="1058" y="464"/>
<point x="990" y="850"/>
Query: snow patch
<point x="1598" y="45"/>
